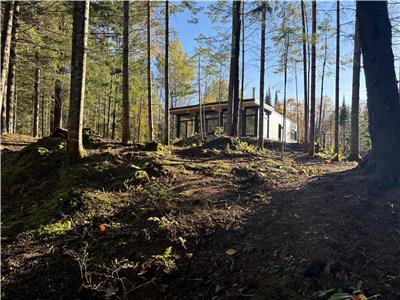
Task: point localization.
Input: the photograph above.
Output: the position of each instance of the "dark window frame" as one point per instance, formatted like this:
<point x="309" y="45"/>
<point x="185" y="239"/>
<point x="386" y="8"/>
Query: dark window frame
<point x="179" y="122"/>
<point x="255" y="122"/>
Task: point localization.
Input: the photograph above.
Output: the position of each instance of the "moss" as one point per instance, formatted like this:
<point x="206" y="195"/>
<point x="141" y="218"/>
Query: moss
<point x="55" y="229"/>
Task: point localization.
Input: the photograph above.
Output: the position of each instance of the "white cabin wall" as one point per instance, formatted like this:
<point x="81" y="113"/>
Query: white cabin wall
<point x="274" y="122"/>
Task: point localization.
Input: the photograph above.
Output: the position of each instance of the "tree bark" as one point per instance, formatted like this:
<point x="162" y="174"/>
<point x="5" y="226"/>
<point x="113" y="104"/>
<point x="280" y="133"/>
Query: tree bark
<point x="262" y="77"/>
<point x="242" y="71"/>
<point x="166" y="88"/>
<point x="355" y="98"/>
<point x="78" y="76"/>
<point x="383" y="97"/>
<point x="58" y="95"/>
<point x="322" y="91"/>
<point x="284" y="95"/>
<point x="10" y="103"/>
<point x="313" y="78"/>
<point x="5" y="57"/>
<point x="149" y="98"/>
<point x="42" y="116"/>
<point x="113" y="126"/>
<point x="98" y="101"/>
<point x="35" y="117"/>
<point x="306" y="117"/>
<point x="109" y="108"/>
<point x="337" y="79"/>
<point x="233" y="97"/>
<point x="236" y="108"/>
<point x="126" y="131"/>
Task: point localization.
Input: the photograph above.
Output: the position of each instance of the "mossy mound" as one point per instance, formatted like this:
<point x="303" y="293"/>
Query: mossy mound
<point x="39" y="187"/>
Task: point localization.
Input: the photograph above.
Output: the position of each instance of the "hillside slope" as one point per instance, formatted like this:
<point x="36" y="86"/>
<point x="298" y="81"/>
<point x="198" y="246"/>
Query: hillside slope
<point x="214" y="221"/>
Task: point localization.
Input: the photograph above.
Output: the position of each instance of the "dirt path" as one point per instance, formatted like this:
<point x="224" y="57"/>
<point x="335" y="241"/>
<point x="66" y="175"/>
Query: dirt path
<point x="239" y="226"/>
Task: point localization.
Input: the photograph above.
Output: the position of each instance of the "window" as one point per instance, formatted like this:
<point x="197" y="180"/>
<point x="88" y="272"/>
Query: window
<point x="293" y="135"/>
<point x="250" y="122"/>
<point x="185" y="126"/>
<point x="212" y="122"/>
<point x="280" y="128"/>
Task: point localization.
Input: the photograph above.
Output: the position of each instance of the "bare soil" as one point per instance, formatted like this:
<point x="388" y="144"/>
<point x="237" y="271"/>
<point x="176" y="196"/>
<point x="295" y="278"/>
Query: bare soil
<point x="217" y="223"/>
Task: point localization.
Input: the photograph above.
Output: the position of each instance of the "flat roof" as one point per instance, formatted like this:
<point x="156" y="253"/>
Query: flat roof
<point x="251" y="102"/>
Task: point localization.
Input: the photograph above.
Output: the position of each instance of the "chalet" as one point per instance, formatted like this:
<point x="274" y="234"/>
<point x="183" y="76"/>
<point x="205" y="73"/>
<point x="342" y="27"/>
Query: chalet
<point x="215" y="116"/>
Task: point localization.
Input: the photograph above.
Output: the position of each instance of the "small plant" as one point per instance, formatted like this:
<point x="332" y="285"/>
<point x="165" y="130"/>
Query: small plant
<point x="163" y="222"/>
<point x="165" y="259"/>
<point x="182" y="241"/>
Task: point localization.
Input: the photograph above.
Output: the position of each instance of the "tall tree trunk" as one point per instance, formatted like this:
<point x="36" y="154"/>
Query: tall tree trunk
<point x="43" y="108"/>
<point x="5" y="57"/>
<point x="355" y="98"/>
<point x="201" y="129"/>
<point x="35" y="117"/>
<point x="166" y="88"/>
<point x="78" y="76"/>
<point x="306" y="117"/>
<point x="337" y="79"/>
<point x="383" y="97"/>
<point x="98" y="101"/>
<point x="321" y="101"/>
<point x="297" y="98"/>
<point x="126" y="131"/>
<point x="15" y="111"/>
<point x="109" y="107"/>
<point x="313" y="78"/>
<point x="104" y="118"/>
<point x="58" y="99"/>
<point x="113" y="120"/>
<point x="10" y="105"/>
<point x="242" y="79"/>
<point x="235" y="112"/>
<point x="149" y="100"/>
<point x="284" y="96"/>
<point x="233" y="97"/>
<point x="139" y="119"/>
<point x="262" y="77"/>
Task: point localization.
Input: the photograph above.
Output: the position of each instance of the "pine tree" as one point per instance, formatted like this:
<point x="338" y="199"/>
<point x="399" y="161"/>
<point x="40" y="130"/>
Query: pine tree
<point x="268" y="99"/>
<point x="78" y="76"/>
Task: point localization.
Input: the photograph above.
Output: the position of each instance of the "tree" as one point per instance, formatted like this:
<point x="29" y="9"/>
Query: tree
<point x="268" y="99"/>
<point x="276" y="102"/>
<point x="166" y="86"/>
<point x="306" y="117"/>
<point x="10" y="101"/>
<point x="35" y="115"/>
<point x="5" y="58"/>
<point x="58" y="96"/>
<point x="149" y="101"/>
<point x="313" y="78"/>
<point x="337" y="79"/>
<point x="343" y="122"/>
<point x="383" y="97"/>
<point x="262" y="77"/>
<point x="322" y="88"/>
<point x="233" y="94"/>
<point x="78" y="74"/>
<point x="355" y="98"/>
<point x="126" y="131"/>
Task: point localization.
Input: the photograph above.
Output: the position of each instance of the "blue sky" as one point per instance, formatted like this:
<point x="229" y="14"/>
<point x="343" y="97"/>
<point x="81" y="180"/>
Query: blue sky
<point x="187" y="33"/>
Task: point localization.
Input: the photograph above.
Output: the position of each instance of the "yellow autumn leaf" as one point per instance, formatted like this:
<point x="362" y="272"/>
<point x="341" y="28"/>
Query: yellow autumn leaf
<point x="231" y="251"/>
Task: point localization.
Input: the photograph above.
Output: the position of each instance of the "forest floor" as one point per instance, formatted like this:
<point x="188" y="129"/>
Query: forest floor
<point x="215" y="221"/>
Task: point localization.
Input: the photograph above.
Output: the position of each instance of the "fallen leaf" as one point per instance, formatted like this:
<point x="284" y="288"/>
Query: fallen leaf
<point x="231" y="251"/>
